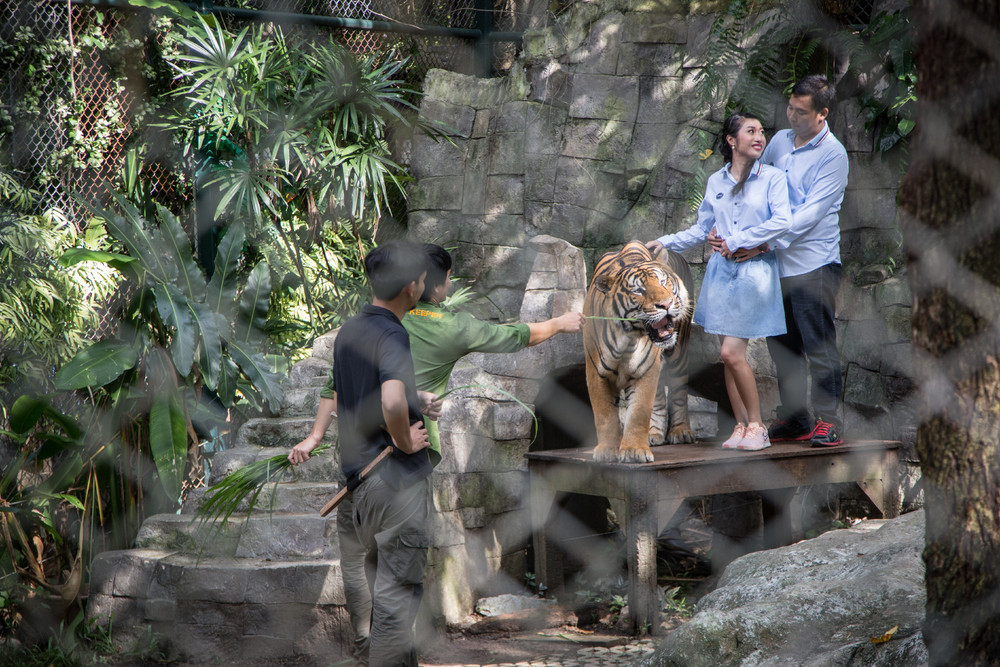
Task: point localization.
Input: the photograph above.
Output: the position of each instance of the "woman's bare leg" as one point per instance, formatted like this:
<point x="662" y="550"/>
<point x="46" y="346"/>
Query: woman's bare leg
<point x="740" y="382"/>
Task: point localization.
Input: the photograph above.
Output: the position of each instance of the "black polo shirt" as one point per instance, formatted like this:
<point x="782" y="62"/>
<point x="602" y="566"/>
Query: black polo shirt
<point x="371" y="348"/>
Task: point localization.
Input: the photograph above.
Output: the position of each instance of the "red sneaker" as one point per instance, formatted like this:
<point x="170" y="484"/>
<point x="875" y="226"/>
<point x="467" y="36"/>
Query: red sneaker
<point x="825" y="435"/>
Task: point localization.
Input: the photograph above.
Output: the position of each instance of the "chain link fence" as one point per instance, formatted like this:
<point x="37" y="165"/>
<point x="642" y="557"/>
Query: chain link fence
<point x="71" y="110"/>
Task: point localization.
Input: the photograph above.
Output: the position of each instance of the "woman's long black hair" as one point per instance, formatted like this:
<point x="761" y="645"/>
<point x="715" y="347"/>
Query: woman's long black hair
<point x="729" y="129"/>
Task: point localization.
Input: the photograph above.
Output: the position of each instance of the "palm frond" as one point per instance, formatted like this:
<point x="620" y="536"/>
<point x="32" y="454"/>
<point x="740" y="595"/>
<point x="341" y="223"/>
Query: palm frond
<point x="244" y="486"/>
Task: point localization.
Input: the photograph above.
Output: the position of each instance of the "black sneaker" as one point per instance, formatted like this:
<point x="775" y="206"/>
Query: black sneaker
<point x="825" y="435"/>
<point x="786" y="431"/>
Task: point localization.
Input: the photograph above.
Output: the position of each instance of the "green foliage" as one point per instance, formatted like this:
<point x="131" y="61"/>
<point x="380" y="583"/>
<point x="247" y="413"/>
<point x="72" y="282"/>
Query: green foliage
<point x="80" y="642"/>
<point x="674" y="602"/>
<point x="47" y="310"/>
<point x="694" y="186"/>
<point x="337" y="287"/>
<point x="282" y="125"/>
<point x="55" y="479"/>
<point x="889" y="96"/>
<point x="245" y="485"/>
<point x="178" y="335"/>
<point x="736" y="71"/>
<point x="89" y="120"/>
<point x="291" y="136"/>
<point x="614" y="602"/>
<point x="459" y="297"/>
<point x="209" y="327"/>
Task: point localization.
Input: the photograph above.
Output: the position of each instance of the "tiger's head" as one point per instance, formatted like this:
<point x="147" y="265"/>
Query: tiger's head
<point x="648" y="298"/>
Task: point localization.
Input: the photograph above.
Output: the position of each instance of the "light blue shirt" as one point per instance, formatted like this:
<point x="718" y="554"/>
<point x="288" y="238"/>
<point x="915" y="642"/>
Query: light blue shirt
<point x="817" y="177"/>
<point x="759" y="213"/>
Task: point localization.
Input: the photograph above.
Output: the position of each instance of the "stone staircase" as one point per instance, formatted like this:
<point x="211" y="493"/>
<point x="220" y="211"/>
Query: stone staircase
<point x="256" y="587"/>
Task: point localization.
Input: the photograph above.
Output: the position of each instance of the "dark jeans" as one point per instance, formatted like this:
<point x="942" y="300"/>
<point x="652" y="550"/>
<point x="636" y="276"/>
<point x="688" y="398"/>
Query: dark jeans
<point x="810" y="302"/>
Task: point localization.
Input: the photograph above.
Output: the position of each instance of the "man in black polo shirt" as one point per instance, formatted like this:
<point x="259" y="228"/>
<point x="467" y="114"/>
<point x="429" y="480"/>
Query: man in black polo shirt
<point x="378" y="406"/>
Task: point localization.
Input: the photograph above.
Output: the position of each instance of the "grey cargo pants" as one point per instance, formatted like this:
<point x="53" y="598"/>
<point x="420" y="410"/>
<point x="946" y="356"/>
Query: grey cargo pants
<point x="392" y="529"/>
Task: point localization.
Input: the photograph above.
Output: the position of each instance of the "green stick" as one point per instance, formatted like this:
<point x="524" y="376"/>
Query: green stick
<point x="619" y="319"/>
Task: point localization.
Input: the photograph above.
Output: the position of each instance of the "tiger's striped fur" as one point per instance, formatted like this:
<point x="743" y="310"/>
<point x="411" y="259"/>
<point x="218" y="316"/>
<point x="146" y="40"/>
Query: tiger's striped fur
<point x="625" y="356"/>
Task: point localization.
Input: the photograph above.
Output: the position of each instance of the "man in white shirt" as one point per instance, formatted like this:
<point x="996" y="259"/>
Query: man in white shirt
<point x="815" y="165"/>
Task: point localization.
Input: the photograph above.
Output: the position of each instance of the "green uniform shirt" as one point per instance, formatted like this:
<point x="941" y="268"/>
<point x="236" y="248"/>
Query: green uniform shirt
<point x="438" y="339"/>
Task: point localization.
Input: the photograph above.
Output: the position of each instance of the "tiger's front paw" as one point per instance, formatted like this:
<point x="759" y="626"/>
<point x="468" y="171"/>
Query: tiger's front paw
<point x="605" y="452"/>
<point x="679" y="435"/>
<point x="639" y="454"/>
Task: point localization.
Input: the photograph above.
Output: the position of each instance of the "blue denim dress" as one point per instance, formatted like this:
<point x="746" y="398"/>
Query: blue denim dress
<point x="741" y="299"/>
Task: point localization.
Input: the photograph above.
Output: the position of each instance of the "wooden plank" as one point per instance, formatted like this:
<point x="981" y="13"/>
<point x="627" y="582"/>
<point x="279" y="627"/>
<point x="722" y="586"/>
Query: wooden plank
<point x="640" y="535"/>
<point x="548" y="560"/>
<point x="686" y="456"/>
<point x="567" y="470"/>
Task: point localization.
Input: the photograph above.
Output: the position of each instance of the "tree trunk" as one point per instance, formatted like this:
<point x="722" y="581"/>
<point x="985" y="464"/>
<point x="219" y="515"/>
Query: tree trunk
<point x="950" y="208"/>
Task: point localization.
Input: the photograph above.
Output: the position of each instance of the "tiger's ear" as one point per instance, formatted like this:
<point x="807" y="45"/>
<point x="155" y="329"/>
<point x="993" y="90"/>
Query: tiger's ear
<point x="603" y="284"/>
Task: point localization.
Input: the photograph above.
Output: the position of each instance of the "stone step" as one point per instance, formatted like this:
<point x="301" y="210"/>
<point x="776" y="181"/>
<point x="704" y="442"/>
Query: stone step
<point x="285" y="497"/>
<point x="322" y="349"/>
<point x="324" y="467"/>
<point x="261" y="535"/>
<point x="246" y="609"/>
<point x="310" y="372"/>
<point x="300" y="402"/>
<point x="278" y="431"/>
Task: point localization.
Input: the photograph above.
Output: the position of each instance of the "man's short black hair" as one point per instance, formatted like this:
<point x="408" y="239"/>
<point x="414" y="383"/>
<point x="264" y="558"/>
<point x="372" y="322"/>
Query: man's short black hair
<point x="818" y="89"/>
<point x="392" y="266"/>
<point x="438" y="265"/>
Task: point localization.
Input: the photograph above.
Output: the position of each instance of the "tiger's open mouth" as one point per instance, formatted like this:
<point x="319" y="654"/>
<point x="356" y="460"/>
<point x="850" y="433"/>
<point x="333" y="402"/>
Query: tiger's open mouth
<point x="661" y="332"/>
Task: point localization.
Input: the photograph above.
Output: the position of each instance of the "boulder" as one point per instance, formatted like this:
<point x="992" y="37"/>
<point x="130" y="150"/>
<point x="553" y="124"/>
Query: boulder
<point x="818" y="603"/>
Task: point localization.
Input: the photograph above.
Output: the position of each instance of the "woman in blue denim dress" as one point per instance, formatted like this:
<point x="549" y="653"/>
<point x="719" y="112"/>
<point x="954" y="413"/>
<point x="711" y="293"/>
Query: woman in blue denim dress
<point x="747" y="203"/>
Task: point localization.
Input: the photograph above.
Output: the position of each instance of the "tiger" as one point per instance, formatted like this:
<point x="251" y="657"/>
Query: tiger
<point x="638" y="323"/>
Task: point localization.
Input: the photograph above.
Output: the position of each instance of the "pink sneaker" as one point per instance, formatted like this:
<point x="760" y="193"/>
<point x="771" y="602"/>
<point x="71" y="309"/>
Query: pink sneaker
<point x="754" y="438"/>
<point x="736" y="438"/>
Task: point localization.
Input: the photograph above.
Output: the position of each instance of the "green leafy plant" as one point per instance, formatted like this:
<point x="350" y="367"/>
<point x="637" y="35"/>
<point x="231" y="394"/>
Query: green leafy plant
<point x="616" y="603"/>
<point x="180" y="332"/>
<point x="674" y="601"/>
<point x="186" y="348"/>
<point x="47" y="310"/>
<point x="81" y="642"/>
<point x="613" y="602"/>
<point x="88" y="119"/>
<point x="245" y="485"/>
<point x="66" y="494"/>
<point x="292" y="136"/>
<point x="889" y="93"/>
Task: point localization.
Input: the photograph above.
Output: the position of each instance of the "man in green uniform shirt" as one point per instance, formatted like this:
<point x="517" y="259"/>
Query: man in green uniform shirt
<point x="439" y="337"/>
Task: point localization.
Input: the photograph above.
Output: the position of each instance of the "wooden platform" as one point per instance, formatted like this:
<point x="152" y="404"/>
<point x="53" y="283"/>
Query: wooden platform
<point x="645" y="496"/>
